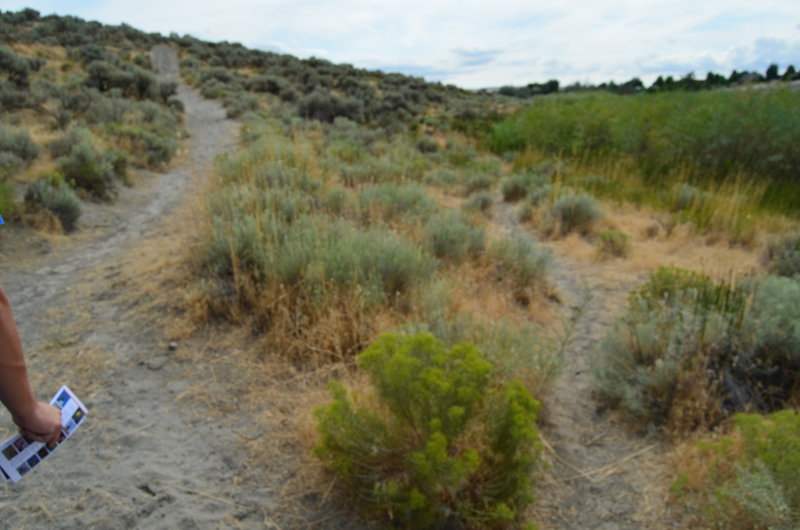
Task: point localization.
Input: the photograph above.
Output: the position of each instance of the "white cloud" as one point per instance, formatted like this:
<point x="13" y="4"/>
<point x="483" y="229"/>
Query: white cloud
<point x="478" y="43"/>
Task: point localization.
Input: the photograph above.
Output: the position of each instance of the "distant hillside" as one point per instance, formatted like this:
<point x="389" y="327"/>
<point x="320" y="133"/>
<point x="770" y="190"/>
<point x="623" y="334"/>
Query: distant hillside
<point x="81" y="103"/>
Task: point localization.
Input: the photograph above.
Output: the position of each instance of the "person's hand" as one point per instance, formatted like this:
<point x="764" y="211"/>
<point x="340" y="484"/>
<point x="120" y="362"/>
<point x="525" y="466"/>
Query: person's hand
<point x="41" y="424"/>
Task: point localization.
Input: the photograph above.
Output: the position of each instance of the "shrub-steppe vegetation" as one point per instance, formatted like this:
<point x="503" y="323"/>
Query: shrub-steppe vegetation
<point x="717" y="159"/>
<point x="394" y="233"/>
<point x="78" y="101"/>
<point x="339" y="221"/>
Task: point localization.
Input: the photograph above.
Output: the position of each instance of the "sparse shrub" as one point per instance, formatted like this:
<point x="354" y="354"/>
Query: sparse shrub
<point x="479" y="202"/>
<point x="427" y="145"/>
<point x="18" y="144"/>
<point x="84" y="167"/>
<point x="316" y="255"/>
<point x="685" y="196"/>
<point x="214" y="89"/>
<point x="460" y="154"/>
<point x="747" y="479"/>
<point x="54" y="195"/>
<point x="15" y="68"/>
<point x="614" y="243"/>
<point x="270" y="84"/>
<point x="324" y="106"/>
<point x="131" y="80"/>
<point x="450" y="236"/>
<point x="391" y="202"/>
<point x="522" y="185"/>
<point x="689" y="352"/>
<point x="443" y="177"/>
<point x="175" y="104"/>
<point x="435" y="443"/>
<point x="523" y="352"/>
<point x="149" y="149"/>
<point x="477" y="181"/>
<point x="338" y="201"/>
<point x="238" y="104"/>
<point x="13" y="98"/>
<point x="574" y="212"/>
<point x="782" y="257"/>
<point x="106" y="109"/>
<point x="518" y="261"/>
<point x="10" y="164"/>
<point x="62" y="145"/>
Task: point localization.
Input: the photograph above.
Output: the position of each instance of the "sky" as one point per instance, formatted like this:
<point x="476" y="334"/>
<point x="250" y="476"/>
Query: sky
<point x="482" y="44"/>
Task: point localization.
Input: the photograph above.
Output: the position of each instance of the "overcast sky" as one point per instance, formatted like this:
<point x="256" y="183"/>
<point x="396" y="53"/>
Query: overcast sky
<point x="486" y="43"/>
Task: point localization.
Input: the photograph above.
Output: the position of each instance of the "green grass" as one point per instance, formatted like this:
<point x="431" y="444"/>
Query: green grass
<point x="705" y="137"/>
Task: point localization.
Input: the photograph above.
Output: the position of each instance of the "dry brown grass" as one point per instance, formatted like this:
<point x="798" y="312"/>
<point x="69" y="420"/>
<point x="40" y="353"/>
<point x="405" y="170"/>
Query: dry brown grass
<point x="683" y="247"/>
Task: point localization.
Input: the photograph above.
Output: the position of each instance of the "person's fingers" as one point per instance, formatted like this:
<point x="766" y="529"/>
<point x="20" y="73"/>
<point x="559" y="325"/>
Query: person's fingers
<point x="52" y="440"/>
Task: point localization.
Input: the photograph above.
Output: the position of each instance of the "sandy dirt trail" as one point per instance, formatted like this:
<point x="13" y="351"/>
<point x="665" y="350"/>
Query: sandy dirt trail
<point x="600" y="476"/>
<point x="143" y="459"/>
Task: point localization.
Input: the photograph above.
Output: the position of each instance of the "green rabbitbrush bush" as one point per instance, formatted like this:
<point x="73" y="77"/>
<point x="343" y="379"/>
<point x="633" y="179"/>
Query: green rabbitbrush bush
<point x="439" y="444"/>
<point x="748" y="479"/>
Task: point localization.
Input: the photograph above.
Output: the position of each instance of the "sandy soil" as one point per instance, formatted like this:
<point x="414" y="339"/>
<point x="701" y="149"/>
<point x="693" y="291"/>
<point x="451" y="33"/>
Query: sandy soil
<point x="144" y="458"/>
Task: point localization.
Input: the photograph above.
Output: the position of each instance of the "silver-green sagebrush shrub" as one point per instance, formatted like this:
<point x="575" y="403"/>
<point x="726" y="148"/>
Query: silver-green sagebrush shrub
<point x="481" y="201"/>
<point x="437" y="442"/>
<point x="518" y="261"/>
<point x="525" y="185"/>
<point x="782" y="257"/>
<point x="54" y="195"/>
<point x="389" y="202"/>
<point x="451" y="236"/>
<point x="575" y="212"/>
<point x="689" y="352"/>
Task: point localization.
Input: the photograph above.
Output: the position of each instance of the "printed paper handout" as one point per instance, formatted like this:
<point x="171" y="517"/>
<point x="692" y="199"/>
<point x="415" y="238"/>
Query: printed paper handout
<point x="18" y="455"/>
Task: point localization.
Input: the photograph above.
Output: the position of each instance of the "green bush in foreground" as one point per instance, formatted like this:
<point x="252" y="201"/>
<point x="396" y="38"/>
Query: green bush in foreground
<point x="749" y="479"/>
<point x="437" y="444"/>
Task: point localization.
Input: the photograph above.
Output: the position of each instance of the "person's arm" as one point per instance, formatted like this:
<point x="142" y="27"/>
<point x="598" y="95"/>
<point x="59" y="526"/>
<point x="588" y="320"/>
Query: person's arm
<point x="38" y="421"/>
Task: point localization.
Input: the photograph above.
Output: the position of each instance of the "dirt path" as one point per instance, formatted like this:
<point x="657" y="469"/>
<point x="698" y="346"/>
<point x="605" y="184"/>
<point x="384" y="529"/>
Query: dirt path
<point x="144" y="459"/>
<point x="600" y="475"/>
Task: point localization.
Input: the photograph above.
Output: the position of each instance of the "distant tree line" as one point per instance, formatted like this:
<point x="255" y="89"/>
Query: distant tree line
<point x="662" y="84"/>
